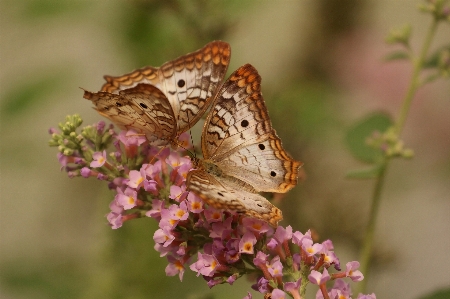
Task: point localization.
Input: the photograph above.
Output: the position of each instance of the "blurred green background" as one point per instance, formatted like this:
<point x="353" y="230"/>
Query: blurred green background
<point x="322" y="70"/>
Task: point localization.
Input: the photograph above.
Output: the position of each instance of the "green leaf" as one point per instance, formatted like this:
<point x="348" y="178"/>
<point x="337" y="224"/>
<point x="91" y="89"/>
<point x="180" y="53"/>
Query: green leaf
<point x="368" y="173"/>
<point x="397" y="55"/>
<point x="357" y="135"/>
<point x="440" y="294"/>
<point x="432" y="61"/>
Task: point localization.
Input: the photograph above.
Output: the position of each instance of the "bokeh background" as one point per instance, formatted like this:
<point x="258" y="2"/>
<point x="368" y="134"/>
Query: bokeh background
<point x="322" y="70"/>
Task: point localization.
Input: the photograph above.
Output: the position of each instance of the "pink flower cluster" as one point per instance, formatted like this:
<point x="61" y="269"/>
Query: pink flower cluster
<point x="221" y="246"/>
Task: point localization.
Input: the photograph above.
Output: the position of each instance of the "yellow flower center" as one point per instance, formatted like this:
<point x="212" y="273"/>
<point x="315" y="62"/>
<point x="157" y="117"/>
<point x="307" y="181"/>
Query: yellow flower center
<point x="130" y="200"/>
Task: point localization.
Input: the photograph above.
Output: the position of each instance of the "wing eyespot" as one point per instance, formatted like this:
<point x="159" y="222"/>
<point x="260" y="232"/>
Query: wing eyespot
<point x="244" y="123"/>
<point x="273" y="173"/>
<point x="143" y="105"/>
<point x="118" y="104"/>
<point x="261" y="146"/>
<point x="220" y="194"/>
<point x="181" y="83"/>
<point x="259" y="205"/>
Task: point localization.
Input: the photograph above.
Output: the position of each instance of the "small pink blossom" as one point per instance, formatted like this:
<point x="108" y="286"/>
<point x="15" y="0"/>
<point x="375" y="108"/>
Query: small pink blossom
<point x="350" y="271"/>
<point x="99" y="159"/>
<point x="131" y="138"/>
<point x="178" y="193"/>
<point x="298" y="237"/>
<point x="164" y="236"/>
<point x="155" y="212"/>
<point x="206" y="265"/>
<point x="256" y="225"/>
<point x="278" y="294"/>
<point x="136" y="179"/>
<point x="126" y="199"/>
<point x="275" y="267"/>
<point x="115" y="220"/>
<point x="317" y="278"/>
<point x="213" y="215"/>
<point x="246" y="243"/>
<point x="174" y="267"/>
<point x="309" y="248"/>
<point x="194" y="203"/>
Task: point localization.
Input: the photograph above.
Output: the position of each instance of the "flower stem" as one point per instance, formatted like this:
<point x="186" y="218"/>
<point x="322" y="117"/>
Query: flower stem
<point x="398" y="127"/>
<point x="366" y="253"/>
<point x="415" y="82"/>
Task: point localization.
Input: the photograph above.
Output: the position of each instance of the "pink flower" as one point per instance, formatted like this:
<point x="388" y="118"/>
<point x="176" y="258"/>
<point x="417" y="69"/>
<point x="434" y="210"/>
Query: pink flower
<point x="174" y="267"/>
<point x="275" y="267"/>
<point x="206" y="265"/>
<point x="194" y="203"/>
<point x="309" y="248"/>
<point x="178" y="193"/>
<point x="256" y="225"/>
<point x="260" y="259"/>
<point x="261" y="286"/>
<point x="114" y="219"/>
<point x="164" y="236"/>
<point x="298" y="237"/>
<point x="317" y="278"/>
<point x="99" y="159"/>
<point x="292" y="286"/>
<point x="278" y="294"/>
<point x="151" y="186"/>
<point x="249" y="296"/>
<point x="85" y="172"/>
<point x="131" y="138"/>
<point x="155" y="212"/>
<point x="179" y="212"/>
<point x="350" y="271"/>
<point x="246" y="243"/>
<point x="283" y="234"/>
<point x="126" y="199"/>
<point x="136" y="179"/>
<point x="213" y="215"/>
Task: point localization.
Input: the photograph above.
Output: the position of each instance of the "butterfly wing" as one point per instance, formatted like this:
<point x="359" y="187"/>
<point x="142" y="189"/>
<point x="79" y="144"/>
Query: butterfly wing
<point x="238" y="136"/>
<point x="223" y="194"/>
<point x="143" y="108"/>
<point x="189" y="82"/>
<point x="147" y="75"/>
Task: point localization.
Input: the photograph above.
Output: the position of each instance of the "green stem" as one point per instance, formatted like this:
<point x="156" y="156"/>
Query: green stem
<point x="415" y="83"/>
<point x="366" y="253"/>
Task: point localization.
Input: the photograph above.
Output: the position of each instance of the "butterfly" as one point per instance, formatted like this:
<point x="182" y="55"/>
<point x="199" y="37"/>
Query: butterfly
<point x="164" y="102"/>
<point x="242" y="154"/>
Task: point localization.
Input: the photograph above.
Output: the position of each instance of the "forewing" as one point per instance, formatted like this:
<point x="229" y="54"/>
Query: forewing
<point x="239" y="138"/>
<point x="191" y="81"/>
<point x="220" y="194"/>
<point x="147" y="75"/>
<point x="143" y="108"/>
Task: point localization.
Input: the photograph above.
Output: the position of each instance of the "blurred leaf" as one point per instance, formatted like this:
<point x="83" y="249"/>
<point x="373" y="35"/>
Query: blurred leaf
<point x="431" y="78"/>
<point x="441" y="294"/>
<point x="47" y="8"/>
<point x="358" y="134"/>
<point x="19" y="99"/>
<point x="368" y="173"/>
<point x="398" y="55"/>
<point x="433" y="60"/>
